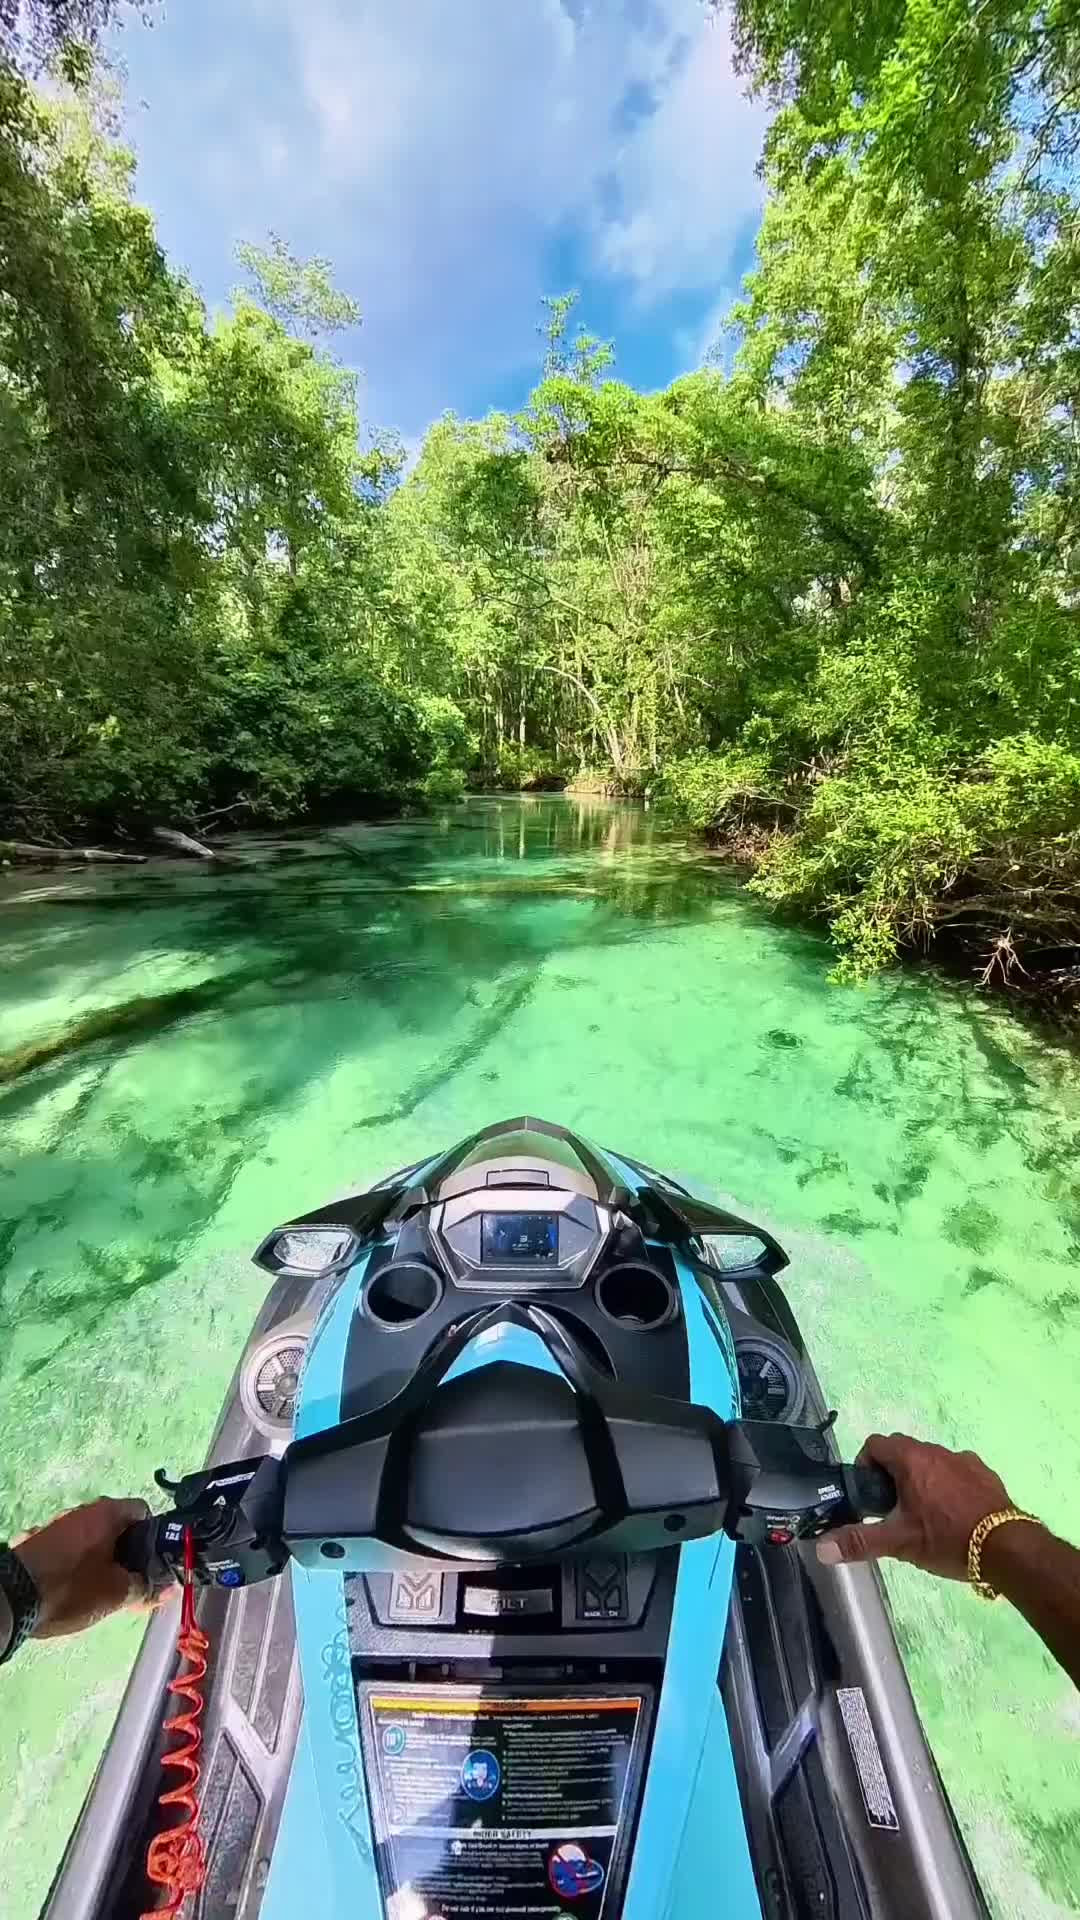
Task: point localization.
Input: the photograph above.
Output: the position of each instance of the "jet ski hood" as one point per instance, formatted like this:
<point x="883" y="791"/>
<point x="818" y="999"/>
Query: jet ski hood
<point x="527" y="1153"/>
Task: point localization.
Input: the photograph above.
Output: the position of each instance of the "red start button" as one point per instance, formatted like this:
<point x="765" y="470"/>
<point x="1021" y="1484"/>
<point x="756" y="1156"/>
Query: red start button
<point x="779" y="1536"/>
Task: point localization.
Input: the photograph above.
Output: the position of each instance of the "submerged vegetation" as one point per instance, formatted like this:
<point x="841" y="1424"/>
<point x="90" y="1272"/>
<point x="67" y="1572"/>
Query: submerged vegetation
<point x="820" y="599"/>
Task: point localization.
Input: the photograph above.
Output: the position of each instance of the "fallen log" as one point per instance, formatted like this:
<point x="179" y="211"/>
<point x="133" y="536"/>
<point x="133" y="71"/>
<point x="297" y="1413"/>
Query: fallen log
<point x="26" y="850"/>
<point x="184" y="843"/>
<point x="148" y="1014"/>
<point x="195" y="849"/>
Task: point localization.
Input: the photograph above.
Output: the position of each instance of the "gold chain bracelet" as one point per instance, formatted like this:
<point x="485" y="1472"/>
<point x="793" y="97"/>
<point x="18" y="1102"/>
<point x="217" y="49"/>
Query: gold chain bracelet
<point x="979" y="1536"/>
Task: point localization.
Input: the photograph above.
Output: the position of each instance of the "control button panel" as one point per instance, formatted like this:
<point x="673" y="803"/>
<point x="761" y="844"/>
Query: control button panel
<point x="600" y="1588"/>
<point x="508" y="1603"/>
<point x="602" y="1592"/>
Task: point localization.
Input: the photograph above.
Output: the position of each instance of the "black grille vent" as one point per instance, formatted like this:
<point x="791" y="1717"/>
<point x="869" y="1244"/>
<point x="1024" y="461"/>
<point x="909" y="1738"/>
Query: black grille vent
<point x="277" y="1383"/>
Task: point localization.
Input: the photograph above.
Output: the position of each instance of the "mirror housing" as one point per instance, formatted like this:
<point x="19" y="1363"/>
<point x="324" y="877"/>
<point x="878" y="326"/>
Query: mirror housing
<point x="682" y="1218"/>
<point x="734" y="1253"/>
<point x="306" y="1251"/>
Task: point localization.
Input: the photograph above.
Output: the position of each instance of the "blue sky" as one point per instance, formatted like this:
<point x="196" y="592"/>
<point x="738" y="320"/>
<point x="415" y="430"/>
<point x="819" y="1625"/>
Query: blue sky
<point x="456" y="161"/>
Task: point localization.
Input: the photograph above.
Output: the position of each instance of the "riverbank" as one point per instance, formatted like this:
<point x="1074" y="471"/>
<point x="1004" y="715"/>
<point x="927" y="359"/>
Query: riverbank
<point x="979" y="875"/>
<point x="748" y="830"/>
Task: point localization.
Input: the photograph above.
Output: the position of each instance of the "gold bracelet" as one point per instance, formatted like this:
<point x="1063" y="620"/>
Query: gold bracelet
<point x="979" y="1535"/>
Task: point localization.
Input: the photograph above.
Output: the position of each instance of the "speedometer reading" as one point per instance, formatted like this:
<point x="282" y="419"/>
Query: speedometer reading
<point x="769" y="1383"/>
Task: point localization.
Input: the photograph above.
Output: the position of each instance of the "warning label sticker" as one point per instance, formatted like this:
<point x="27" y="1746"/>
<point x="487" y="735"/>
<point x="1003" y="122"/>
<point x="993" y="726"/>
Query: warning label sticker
<point x="876" y="1793"/>
<point x="491" y="1806"/>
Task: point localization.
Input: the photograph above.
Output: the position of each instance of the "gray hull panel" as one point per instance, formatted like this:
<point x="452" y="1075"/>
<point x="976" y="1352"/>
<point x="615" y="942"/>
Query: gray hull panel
<point x="251" y="1717"/>
<point x="848" y="1822"/>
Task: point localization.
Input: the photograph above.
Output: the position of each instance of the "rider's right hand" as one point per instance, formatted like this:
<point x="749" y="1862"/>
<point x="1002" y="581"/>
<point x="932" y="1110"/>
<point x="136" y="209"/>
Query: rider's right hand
<point x="941" y="1497"/>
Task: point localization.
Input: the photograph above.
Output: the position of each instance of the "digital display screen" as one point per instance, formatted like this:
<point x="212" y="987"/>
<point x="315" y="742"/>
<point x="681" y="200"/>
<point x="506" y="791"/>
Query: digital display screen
<point x="507" y="1238"/>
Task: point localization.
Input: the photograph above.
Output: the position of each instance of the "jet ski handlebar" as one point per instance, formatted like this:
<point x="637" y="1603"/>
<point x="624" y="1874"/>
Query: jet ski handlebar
<point x="236" y="1515"/>
<point x="503" y="1464"/>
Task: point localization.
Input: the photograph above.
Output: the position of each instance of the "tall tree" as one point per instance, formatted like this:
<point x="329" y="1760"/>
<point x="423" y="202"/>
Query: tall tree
<point x="300" y="294"/>
<point x="35" y="32"/>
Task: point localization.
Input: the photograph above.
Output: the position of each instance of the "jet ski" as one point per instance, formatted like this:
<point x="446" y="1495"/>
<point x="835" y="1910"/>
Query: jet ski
<point x="501" y="1566"/>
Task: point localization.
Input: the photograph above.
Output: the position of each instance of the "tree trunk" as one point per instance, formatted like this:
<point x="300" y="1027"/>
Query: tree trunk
<point x="612" y="737"/>
<point x="26" y="850"/>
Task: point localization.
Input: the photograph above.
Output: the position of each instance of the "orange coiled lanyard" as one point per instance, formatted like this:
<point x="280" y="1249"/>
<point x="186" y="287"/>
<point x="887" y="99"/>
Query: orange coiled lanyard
<point x="176" y="1857"/>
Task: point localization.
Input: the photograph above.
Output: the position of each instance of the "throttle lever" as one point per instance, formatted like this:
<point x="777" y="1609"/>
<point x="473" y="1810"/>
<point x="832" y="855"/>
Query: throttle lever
<point x="137" y="1550"/>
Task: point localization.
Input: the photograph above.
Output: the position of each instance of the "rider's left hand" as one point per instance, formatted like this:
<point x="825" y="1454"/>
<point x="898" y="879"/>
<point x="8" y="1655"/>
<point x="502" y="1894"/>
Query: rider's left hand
<point x="71" y="1563"/>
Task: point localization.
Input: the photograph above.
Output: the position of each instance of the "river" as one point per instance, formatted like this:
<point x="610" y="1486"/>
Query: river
<point x="350" y="1001"/>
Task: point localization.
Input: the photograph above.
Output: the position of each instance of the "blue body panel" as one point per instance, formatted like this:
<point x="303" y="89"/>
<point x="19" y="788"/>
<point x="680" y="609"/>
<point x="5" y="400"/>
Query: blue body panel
<point x="301" y="1857"/>
<point x="324" y="1861"/>
<point x="708" y="1857"/>
<point x="504" y="1343"/>
<point x="691" y="1809"/>
<point x="691" y="1838"/>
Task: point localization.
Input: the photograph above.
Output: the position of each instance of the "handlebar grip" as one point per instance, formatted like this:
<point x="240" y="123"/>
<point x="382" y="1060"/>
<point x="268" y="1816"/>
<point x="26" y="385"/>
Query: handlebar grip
<point x="870" y="1490"/>
<point x="136" y="1549"/>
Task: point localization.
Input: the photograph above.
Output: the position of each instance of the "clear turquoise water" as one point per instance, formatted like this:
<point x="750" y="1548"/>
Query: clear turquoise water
<point x="351" y="1002"/>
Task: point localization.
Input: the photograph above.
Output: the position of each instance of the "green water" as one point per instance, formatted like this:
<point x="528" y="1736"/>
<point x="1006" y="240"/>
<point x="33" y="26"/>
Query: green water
<point x="351" y="1002"/>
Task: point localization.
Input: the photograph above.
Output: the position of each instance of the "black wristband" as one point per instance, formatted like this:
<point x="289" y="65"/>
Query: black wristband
<point x="21" y="1594"/>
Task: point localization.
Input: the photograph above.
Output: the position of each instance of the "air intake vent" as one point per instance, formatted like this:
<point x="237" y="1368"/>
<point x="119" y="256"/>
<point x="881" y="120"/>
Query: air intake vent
<point x="276" y="1382"/>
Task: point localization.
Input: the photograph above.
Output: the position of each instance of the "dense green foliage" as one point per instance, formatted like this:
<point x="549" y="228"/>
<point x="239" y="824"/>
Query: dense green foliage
<point x="822" y="603"/>
<point x="190" y="532"/>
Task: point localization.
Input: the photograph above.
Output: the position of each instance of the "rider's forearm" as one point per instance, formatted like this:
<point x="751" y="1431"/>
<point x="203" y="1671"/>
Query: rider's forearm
<point x="1041" y="1576"/>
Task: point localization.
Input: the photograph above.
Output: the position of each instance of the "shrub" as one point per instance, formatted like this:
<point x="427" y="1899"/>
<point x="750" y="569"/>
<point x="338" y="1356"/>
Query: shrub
<point x="443" y="784"/>
<point x="519" y="769"/>
<point x="701" y="788"/>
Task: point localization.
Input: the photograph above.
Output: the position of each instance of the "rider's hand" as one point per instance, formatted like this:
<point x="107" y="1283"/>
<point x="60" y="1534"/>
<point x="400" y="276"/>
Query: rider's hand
<point x="71" y="1563"/>
<point x="941" y="1497"/>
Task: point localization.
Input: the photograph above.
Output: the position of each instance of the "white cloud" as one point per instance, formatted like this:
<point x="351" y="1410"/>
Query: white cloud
<point x="685" y="178"/>
<point x="441" y="154"/>
<point x="708" y="343"/>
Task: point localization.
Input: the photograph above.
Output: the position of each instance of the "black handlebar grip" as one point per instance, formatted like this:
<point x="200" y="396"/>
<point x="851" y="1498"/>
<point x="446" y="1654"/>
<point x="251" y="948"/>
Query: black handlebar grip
<point x="870" y="1490"/>
<point x="136" y="1549"/>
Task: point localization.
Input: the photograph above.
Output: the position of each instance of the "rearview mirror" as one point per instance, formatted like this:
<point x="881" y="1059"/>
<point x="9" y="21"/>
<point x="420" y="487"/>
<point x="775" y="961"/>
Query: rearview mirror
<point x="307" y="1253"/>
<point x="729" y="1244"/>
<point x="734" y="1252"/>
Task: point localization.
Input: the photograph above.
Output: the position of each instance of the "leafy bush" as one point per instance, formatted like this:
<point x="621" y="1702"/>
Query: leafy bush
<point x="445" y="735"/>
<point x="519" y="769"/>
<point x="443" y="784"/>
<point x="607" y="783"/>
<point x="874" y="856"/>
<point x="701" y="787"/>
<point x="1025" y="786"/>
<point x="892" y="856"/>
